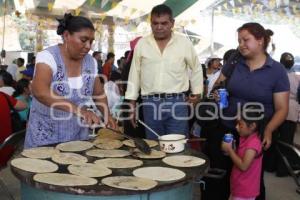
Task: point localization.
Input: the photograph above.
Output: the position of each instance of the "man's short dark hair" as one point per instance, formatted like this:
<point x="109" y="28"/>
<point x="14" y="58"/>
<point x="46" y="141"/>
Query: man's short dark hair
<point x="21" y="61"/>
<point x="126" y="54"/>
<point x="95" y="53"/>
<point x="162" y="9"/>
<point x="110" y="55"/>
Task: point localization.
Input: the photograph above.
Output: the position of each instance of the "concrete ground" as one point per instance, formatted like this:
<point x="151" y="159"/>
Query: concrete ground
<point x="277" y="188"/>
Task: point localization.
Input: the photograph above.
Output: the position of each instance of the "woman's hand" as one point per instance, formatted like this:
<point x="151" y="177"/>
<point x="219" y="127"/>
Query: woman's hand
<point x="89" y="117"/>
<point x="111" y="123"/>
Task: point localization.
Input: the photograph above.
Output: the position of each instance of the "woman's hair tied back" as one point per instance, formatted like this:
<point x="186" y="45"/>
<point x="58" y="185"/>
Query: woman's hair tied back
<point x="62" y="23"/>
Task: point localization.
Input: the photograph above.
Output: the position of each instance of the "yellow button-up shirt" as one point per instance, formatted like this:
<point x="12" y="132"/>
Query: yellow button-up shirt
<point x="167" y="72"/>
<point x="19" y="75"/>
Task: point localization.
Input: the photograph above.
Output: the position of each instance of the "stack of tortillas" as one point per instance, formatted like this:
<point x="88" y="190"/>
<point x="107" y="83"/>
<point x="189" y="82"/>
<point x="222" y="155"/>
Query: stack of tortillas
<point x="69" y="158"/>
<point x="114" y="153"/>
<point x="159" y="173"/>
<point x="64" y="179"/>
<point x="129" y="182"/>
<point x="34" y="165"/>
<point x="106" y="133"/>
<point x="183" y="161"/>
<point x="130" y="143"/>
<point x="153" y="155"/>
<point x="40" y="152"/>
<point x="89" y="170"/>
<point x="107" y="143"/>
<point x="75" y="146"/>
<point x="119" y="163"/>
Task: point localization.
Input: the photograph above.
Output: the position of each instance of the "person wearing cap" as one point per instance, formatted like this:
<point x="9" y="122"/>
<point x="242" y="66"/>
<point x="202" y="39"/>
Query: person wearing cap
<point x="159" y="69"/>
<point x="28" y="73"/>
<point x="212" y="72"/>
<point x="288" y="128"/>
<point x="213" y="64"/>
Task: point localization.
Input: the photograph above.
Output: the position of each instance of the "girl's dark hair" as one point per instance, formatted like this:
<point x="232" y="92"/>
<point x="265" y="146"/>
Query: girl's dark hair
<point x="110" y="55"/>
<point x="73" y="24"/>
<point x="258" y="31"/>
<point x="253" y="114"/>
<point x="6" y="78"/>
<point x="20" y="87"/>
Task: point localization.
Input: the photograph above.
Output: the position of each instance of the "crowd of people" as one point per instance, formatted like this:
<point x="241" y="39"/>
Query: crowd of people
<point x="159" y="71"/>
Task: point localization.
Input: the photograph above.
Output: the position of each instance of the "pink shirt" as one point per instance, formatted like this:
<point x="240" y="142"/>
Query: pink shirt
<point x="246" y="184"/>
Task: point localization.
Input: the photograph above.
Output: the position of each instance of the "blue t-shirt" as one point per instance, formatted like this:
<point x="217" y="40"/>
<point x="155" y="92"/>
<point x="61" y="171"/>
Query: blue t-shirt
<point x="254" y="86"/>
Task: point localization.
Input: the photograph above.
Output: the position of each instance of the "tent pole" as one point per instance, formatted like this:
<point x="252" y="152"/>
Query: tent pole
<point x="3" y="34"/>
<point x="212" y="31"/>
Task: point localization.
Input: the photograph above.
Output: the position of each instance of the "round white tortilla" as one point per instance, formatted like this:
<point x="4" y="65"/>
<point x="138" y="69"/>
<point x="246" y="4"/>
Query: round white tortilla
<point x="34" y="165"/>
<point x="75" y="146"/>
<point x="159" y="173"/>
<point x="89" y="170"/>
<point x="119" y="163"/>
<point x="130" y="143"/>
<point x="40" y="152"/>
<point x="69" y="158"/>
<point x="183" y="161"/>
<point x="64" y="179"/>
<point x="107" y="143"/>
<point x="153" y="155"/>
<point x="113" y="153"/>
<point x="129" y="182"/>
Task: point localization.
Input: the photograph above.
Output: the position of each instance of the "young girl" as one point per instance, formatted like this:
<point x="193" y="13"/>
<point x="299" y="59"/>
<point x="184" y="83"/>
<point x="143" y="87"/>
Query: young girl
<point x="247" y="159"/>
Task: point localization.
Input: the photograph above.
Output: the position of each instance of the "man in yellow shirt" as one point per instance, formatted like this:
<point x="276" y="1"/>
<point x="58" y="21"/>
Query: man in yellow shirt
<point x="160" y="69"/>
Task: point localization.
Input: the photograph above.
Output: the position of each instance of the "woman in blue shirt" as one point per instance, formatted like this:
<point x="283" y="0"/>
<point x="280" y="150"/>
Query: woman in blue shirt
<point x="254" y="78"/>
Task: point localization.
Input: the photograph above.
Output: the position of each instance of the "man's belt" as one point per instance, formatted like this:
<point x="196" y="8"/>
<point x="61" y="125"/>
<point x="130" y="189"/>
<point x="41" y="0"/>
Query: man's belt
<point x="164" y="95"/>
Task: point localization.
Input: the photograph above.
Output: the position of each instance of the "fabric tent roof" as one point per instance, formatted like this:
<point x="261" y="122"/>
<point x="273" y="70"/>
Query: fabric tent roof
<point x="115" y="8"/>
<point x="189" y="13"/>
<point x="137" y="8"/>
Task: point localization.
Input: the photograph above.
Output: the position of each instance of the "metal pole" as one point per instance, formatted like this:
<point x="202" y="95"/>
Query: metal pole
<point x="212" y="31"/>
<point x="4" y="14"/>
